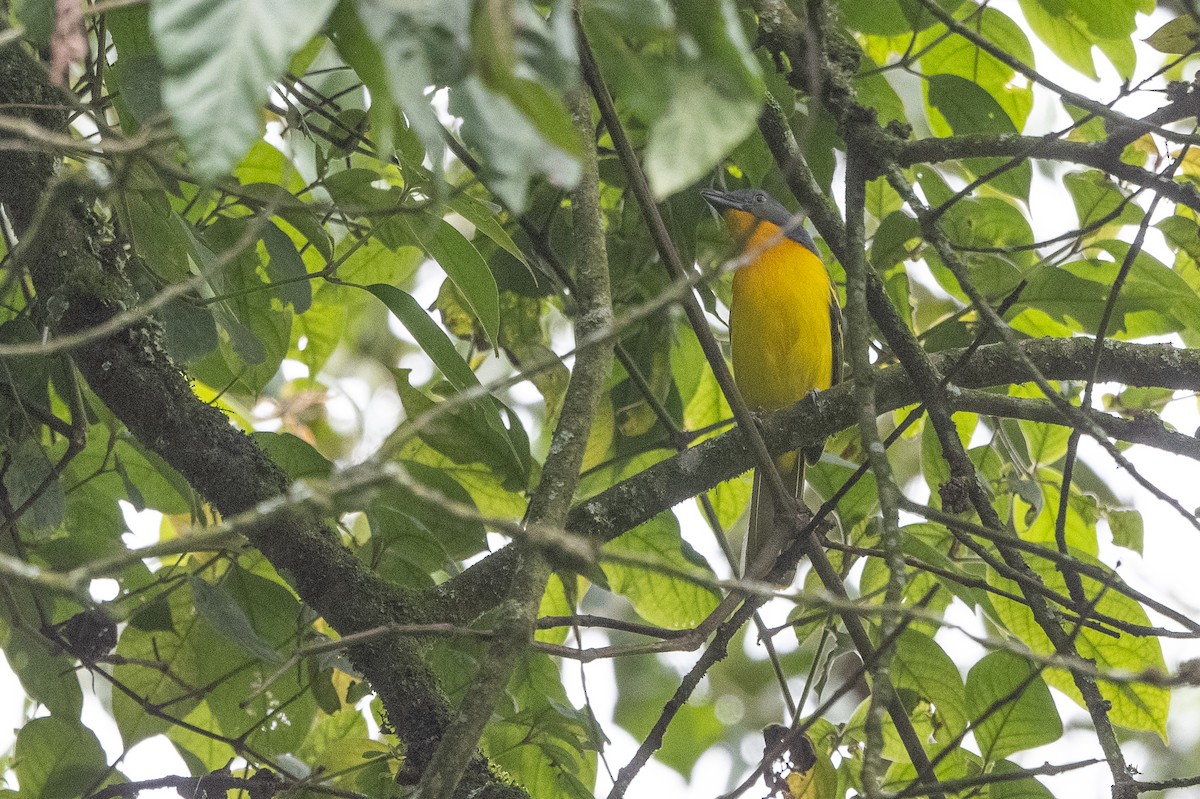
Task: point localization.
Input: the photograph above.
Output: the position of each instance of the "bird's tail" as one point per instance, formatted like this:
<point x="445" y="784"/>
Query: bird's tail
<point x="762" y="509"/>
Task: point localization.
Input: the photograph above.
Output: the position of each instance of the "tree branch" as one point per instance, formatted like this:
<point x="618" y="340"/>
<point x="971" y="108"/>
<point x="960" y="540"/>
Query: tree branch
<point x="674" y="480"/>
<point x="560" y="473"/>
<point x="130" y="371"/>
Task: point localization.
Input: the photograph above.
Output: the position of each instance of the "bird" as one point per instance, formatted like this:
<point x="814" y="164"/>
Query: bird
<point x="785" y="329"/>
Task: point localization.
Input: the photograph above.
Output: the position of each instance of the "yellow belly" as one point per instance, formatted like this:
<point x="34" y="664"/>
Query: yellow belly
<point x="779" y="327"/>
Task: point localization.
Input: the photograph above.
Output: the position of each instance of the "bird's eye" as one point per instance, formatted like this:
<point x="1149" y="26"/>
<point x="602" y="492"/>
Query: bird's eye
<point x="760" y="198"/>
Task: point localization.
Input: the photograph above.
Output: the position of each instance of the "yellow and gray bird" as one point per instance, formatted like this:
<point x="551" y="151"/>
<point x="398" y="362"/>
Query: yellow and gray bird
<point x="785" y="328"/>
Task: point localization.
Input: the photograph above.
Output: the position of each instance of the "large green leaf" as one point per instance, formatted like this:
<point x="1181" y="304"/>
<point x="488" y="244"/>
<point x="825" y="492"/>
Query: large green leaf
<point x="420" y="43"/>
<point x="433" y="339"/>
<point x="257" y="330"/>
<point x="544" y="742"/>
<point x="219" y="59"/>
<point x="467" y="432"/>
<point x="32" y="484"/>
<point x="437" y="345"/>
<point x="57" y="758"/>
<point x="220" y="610"/>
<point x="922" y="665"/>
<point x="466" y="269"/>
<point x="162" y="655"/>
<point x="1020" y="713"/>
<point x="659" y="598"/>
<point x="1097" y="197"/>
<point x="47" y="675"/>
<point x="968" y="109"/>
<point x="514" y="150"/>
<point x="724" y="80"/>
<point x="952" y="55"/>
<point x="1063" y="33"/>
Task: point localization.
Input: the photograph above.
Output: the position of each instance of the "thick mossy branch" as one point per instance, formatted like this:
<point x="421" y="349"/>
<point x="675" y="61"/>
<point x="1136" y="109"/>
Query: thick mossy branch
<point x="79" y="284"/>
<point x="674" y="480"/>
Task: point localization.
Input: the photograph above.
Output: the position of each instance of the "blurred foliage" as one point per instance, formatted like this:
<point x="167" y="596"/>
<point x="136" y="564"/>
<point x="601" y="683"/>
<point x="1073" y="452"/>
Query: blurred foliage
<point x="371" y="201"/>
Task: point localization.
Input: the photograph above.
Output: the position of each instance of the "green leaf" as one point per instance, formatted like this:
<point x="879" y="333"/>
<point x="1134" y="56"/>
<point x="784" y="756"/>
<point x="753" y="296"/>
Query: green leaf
<point x="555" y="602"/>
<point x="220" y="57"/>
<point x="270" y="615"/>
<point x="137" y="74"/>
<point x="37" y="19"/>
<point x="158" y="233"/>
<point x="420" y="535"/>
<point x="929" y="543"/>
<point x="162" y="655"/>
<point x="861" y="501"/>
<point x="1116" y="20"/>
<point x="693" y="732"/>
<point x="294" y="455"/>
<point x="270" y="177"/>
<point x="876" y="93"/>
<point x="468" y="432"/>
<point x="969" y="109"/>
<point x="951" y="56"/>
<point x="544" y="742"/>
<point x="1080" y="521"/>
<point x="717" y="92"/>
<point x="483" y="216"/>
<point x="1046" y="443"/>
<point x="890" y="244"/>
<point x="685" y="145"/>
<point x="431" y="338"/>
<point x="729" y="499"/>
<point x="159" y="486"/>
<point x="1021" y="713"/>
<point x="258" y="330"/>
<point x="547" y="113"/>
<point x="880" y="18"/>
<point x="1136" y="705"/>
<point x="923" y="666"/>
<point x="1096" y="196"/>
<point x="344" y="724"/>
<point x="1154" y="300"/>
<point x="373" y="262"/>
<point x="27" y="374"/>
<point x="190" y="331"/>
<point x="481" y="482"/>
<point x="1177" y="37"/>
<point x="1152" y="282"/>
<point x="1120" y="54"/>
<point x="512" y="150"/>
<point x="659" y="598"/>
<point x="31" y="477"/>
<point x="56" y="758"/>
<point x="1028" y="788"/>
<point x="420" y="43"/>
<point x="286" y="268"/>
<point x="465" y="267"/>
<point x="1127" y="529"/>
<point x="283" y="203"/>
<point x="1063" y="33"/>
<point x="220" y="610"/>
<point x="48" y="677"/>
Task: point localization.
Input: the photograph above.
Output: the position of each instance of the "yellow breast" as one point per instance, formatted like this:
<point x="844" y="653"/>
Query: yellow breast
<point x="779" y="322"/>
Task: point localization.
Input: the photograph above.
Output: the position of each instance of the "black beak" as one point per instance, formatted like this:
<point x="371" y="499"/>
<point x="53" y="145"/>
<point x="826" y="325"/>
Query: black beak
<point x="720" y="200"/>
